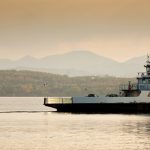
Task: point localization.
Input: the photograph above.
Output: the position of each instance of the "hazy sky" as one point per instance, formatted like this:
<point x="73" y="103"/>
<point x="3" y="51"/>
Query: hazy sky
<point x="119" y="29"/>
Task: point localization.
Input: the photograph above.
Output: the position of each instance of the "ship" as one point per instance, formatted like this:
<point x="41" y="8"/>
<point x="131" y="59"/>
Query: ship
<point x="132" y="98"/>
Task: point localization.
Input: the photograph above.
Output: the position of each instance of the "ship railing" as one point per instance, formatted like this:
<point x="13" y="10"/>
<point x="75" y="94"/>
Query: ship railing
<point x="144" y="87"/>
<point x="126" y="87"/>
<point x="58" y="100"/>
<point x="141" y="74"/>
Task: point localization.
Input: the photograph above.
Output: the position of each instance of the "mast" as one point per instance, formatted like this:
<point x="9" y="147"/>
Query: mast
<point x="147" y="66"/>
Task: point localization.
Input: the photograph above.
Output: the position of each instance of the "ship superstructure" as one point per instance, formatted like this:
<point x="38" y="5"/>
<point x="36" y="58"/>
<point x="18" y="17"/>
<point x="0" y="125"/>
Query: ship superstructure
<point x="144" y="77"/>
<point x="132" y="98"/>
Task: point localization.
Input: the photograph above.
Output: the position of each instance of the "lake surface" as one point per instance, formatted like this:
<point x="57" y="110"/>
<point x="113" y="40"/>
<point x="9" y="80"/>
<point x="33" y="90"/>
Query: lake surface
<point x="25" y="124"/>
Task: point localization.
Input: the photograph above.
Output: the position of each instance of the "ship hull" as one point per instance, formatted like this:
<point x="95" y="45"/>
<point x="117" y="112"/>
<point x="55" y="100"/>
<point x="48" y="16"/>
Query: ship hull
<point x="132" y="99"/>
<point x="103" y="107"/>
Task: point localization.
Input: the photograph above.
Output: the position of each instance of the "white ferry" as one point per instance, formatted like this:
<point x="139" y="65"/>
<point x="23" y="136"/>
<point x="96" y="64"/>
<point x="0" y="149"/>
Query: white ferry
<point x="132" y="98"/>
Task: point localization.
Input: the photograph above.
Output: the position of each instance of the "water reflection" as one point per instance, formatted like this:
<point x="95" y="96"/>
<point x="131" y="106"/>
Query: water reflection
<point x="27" y="124"/>
<point x="138" y="126"/>
<point x="74" y="131"/>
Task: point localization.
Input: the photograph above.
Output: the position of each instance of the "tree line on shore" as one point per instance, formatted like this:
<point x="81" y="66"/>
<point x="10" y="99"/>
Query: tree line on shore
<point x="39" y="84"/>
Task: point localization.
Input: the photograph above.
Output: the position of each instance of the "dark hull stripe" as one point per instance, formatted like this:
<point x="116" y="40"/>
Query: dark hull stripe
<point x="103" y="108"/>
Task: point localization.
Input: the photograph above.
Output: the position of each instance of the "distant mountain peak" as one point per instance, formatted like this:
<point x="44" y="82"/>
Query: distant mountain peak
<point x="28" y="58"/>
<point x="77" y="63"/>
<point x="80" y="52"/>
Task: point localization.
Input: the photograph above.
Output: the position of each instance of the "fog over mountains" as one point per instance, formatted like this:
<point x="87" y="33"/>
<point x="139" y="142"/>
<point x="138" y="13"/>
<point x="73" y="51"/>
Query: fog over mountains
<point x="77" y="63"/>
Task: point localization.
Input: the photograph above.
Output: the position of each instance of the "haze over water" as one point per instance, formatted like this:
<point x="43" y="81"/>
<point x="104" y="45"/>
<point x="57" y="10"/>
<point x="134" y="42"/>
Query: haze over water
<point x="111" y="28"/>
<point x="26" y="124"/>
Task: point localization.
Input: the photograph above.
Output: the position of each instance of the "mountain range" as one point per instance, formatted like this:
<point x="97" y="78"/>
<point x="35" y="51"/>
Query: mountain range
<point x="77" y="63"/>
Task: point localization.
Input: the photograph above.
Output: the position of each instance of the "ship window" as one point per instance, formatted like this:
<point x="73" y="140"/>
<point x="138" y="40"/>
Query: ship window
<point x="140" y="81"/>
<point x="66" y="100"/>
<point x="148" y="69"/>
<point x="144" y="81"/>
<point x="54" y="100"/>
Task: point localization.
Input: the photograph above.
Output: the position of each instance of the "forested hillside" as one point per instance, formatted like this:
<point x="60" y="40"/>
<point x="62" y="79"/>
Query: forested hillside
<point x="30" y="83"/>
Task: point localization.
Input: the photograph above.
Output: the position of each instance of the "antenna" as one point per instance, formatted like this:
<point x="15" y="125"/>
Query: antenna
<point x="148" y="58"/>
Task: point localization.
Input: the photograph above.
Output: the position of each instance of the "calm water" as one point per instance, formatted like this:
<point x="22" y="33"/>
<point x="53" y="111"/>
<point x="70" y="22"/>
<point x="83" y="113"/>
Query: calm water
<point x="25" y="124"/>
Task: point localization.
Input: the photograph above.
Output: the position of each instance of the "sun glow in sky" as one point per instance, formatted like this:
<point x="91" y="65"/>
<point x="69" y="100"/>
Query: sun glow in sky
<point x="113" y="28"/>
